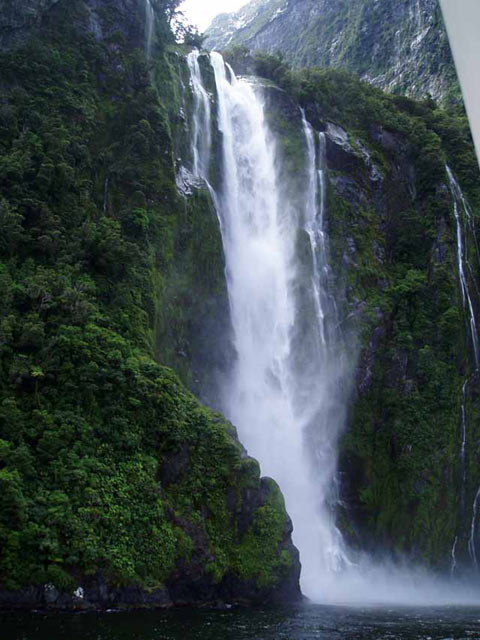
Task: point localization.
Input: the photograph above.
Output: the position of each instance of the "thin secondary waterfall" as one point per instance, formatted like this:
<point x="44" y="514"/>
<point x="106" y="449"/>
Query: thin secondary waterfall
<point x="149" y="27"/>
<point x="202" y="132"/>
<point x="463" y="466"/>
<point x="463" y="469"/>
<point x="472" y="547"/>
<point x="458" y="200"/>
<point x="314" y="214"/>
<point x="453" y="567"/>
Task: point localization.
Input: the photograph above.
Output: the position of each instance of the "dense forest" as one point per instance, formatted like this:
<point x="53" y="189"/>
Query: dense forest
<point x="112" y="475"/>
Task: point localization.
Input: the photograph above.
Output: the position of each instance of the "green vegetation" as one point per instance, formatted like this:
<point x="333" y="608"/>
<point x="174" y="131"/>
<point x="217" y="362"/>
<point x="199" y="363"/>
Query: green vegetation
<point x="107" y="464"/>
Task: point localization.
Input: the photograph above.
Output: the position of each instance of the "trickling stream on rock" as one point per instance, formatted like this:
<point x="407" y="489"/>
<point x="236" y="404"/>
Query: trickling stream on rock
<point x="459" y="204"/>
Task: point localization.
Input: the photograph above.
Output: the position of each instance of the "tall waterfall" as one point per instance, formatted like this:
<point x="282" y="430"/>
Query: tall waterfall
<point x="285" y="391"/>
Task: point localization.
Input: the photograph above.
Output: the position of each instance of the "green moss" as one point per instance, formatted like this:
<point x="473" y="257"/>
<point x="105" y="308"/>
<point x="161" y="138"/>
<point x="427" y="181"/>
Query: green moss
<point x="257" y="555"/>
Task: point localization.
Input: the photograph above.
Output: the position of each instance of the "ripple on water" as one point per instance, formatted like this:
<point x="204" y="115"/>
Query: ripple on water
<point x="309" y="622"/>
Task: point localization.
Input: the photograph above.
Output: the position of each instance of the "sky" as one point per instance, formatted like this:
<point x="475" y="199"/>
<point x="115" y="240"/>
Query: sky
<point x="202" y="12"/>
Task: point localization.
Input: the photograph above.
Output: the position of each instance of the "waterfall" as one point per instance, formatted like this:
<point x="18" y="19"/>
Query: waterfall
<point x="463" y="469"/>
<point x="462" y="259"/>
<point x="202" y="133"/>
<point x="105" y="195"/>
<point x="463" y="466"/>
<point x="460" y="206"/>
<point x="149" y="28"/>
<point x="314" y="215"/>
<point x="288" y="387"/>
<point x="285" y="391"/>
<point x="453" y="567"/>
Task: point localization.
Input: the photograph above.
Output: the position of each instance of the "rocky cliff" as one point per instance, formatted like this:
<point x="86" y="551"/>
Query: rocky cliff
<point x="399" y="46"/>
<point x="117" y="488"/>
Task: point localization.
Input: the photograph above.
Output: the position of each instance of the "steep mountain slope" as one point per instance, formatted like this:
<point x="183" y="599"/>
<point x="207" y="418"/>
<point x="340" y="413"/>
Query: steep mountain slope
<point x="116" y="486"/>
<point x="398" y="45"/>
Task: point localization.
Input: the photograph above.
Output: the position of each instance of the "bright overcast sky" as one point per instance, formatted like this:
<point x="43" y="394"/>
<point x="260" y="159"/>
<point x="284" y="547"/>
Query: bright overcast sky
<point x="202" y="12"/>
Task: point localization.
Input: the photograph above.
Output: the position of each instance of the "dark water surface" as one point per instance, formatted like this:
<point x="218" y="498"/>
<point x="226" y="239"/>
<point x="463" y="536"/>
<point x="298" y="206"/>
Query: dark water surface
<point x="308" y="622"/>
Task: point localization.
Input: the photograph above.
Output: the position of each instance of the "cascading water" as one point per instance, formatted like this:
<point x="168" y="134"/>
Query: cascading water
<point x="463" y="467"/>
<point x="454" y="556"/>
<point x="149" y="28"/>
<point x="286" y="407"/>
<point x="202" y="132"/>
<point x="472" y="546"/>
<point x="314" y="215"/>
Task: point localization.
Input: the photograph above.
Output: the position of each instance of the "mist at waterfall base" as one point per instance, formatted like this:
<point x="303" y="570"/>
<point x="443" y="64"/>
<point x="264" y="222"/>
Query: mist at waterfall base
<point x="289" y="387"/>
